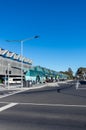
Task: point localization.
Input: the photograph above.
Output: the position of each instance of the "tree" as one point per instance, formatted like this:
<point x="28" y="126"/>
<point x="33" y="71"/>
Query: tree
<point x="69" y="73"/>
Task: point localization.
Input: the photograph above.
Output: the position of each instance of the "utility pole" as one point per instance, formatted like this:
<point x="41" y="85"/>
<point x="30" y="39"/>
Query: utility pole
<point x="22" y="42"/>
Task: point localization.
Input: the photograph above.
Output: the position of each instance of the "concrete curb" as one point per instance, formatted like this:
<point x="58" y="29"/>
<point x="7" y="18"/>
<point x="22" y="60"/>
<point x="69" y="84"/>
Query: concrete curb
<point x="19" y="90"/>
<point x="34" y="86"/>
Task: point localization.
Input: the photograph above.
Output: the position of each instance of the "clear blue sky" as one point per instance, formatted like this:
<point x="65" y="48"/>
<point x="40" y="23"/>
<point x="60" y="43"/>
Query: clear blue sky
<point x="61" y="25"/>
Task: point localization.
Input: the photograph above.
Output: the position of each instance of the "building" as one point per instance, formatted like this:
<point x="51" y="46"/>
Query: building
<point x="13" y="65"/>
<point x="15" y="68"/>
<point x="42" y="74"/>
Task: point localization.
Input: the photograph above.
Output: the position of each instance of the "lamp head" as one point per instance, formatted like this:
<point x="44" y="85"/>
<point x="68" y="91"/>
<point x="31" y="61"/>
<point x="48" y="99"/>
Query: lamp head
<point x="36" y="36"/>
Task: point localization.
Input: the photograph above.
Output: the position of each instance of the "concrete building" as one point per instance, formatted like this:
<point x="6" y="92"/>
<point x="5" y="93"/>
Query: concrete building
<point x="14" y="68"/>
<point x="13" y="65"/>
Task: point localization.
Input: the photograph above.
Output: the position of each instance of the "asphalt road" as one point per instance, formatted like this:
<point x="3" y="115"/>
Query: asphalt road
<point x="47" y="108"/>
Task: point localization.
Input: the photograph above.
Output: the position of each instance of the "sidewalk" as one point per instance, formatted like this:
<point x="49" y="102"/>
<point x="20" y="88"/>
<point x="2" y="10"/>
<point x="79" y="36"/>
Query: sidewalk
<point x="5" y="91"/>
<point x="35" y="86"/>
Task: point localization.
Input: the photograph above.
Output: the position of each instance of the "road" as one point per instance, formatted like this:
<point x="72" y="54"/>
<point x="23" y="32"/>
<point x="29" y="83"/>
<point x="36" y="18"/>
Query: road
<point x="45" y="109"/>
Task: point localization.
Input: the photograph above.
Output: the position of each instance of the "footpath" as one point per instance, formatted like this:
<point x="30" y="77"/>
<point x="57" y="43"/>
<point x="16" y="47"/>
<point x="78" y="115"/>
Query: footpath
<point x="11" y="90"/>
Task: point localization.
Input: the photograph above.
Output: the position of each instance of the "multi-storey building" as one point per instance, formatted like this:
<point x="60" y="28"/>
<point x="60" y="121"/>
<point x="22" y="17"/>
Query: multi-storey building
<point x="13" y="65"/>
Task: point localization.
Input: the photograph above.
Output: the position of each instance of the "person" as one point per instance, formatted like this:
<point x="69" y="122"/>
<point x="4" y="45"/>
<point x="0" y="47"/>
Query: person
<point x="37" y="79"/>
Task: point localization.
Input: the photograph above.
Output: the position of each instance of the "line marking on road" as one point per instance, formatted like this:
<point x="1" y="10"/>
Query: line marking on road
<point x="82" y="88"/>
<point x="45" y="104"/>
<point x="7" y="106"/>
<point x="52" y="105"/>
<point x="7" y="95"/>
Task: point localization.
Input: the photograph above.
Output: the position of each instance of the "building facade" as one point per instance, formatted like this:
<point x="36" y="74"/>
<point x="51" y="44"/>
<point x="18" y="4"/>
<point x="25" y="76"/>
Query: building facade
<point x="13" y="64"/>
<point x="15" y="68"/>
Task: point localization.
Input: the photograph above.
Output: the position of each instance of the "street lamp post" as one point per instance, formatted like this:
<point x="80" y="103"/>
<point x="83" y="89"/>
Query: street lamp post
<point x="5" y="76"/>
<point x="22" y="41"/>
<point x="8" y="74"/>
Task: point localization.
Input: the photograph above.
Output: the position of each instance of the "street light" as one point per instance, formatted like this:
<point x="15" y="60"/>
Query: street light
<point x="8" y="73"/>
<point x="22" y="41"/>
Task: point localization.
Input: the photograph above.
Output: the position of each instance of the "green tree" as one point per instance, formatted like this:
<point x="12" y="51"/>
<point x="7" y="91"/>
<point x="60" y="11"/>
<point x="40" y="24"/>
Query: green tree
<point x="69" y="73"/>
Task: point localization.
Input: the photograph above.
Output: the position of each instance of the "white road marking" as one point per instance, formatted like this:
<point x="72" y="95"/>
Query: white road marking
<point x="52" y="105"/>
<point x="49" y="105"/>
<point x="82" y="88"/>
<point x="77" y="85"/>
<point x="13" y="93"/>
<point x="7" y="106"/>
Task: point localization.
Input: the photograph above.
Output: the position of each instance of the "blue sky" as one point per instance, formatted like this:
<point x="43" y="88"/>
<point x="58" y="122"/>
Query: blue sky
<point x="61" y="25"/>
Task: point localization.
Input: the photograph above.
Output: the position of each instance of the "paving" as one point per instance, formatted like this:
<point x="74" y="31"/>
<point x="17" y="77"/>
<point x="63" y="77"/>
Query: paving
<point x="5" y="90"/>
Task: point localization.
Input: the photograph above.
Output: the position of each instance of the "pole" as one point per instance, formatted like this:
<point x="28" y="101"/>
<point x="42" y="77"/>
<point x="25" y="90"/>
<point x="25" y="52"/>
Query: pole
<point x="5" y="78"/>
<point x="21" y="63"/>
<point x="22" y="41"/>
<point x="8" y="74"/>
